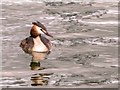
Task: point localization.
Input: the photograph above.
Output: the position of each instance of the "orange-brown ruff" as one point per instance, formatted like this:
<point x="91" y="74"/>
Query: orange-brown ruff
<point x="36" y="42"/>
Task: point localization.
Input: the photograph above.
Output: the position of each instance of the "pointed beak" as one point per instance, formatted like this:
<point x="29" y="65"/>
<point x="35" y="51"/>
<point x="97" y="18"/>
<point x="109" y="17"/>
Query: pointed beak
<point x="49" y="35"/>
<point x="45" y="32"/>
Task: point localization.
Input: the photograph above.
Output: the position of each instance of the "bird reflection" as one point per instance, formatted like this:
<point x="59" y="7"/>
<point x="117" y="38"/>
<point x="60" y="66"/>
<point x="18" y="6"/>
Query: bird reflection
<point x="36" y="58"/>
<point x="40" y="79"/>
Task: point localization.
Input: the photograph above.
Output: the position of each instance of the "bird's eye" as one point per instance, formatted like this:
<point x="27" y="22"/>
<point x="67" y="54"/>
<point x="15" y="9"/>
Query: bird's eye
<point x="40" y="29"/>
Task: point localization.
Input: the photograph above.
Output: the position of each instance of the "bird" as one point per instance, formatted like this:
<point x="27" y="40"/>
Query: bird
<point x="36" y="42"/>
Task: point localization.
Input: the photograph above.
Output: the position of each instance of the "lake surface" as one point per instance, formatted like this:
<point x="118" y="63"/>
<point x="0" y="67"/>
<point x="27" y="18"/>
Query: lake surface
<point x="85" y="44"/>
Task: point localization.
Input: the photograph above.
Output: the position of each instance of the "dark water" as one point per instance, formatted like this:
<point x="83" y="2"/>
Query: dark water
<point x="84" y="50"/>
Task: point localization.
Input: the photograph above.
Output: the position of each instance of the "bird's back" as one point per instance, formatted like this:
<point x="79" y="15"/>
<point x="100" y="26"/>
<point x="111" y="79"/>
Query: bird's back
<point x="46" y="42"/>
<point x="27" y="44"/>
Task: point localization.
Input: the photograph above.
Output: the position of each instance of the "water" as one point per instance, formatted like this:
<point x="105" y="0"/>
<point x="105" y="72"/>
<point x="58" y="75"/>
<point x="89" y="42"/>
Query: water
<point x="84" y="50"/>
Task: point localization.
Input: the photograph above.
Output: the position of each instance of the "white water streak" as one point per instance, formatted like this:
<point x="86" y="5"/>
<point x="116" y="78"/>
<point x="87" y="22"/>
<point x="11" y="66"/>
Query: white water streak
<point x="99" y="22"/>
<point x="67" y="1"/>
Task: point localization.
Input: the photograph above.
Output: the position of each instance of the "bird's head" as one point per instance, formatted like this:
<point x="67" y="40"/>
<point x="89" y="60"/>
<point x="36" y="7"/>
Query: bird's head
<point x="38" y="29"/>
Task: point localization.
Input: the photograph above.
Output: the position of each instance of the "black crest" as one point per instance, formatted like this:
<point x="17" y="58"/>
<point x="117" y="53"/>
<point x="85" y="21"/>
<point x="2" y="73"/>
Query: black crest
<point x="39" y="24"/>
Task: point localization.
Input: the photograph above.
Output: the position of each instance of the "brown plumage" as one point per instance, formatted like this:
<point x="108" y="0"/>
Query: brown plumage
<point x="27" y="45"/>
<point x="33" y="32"/>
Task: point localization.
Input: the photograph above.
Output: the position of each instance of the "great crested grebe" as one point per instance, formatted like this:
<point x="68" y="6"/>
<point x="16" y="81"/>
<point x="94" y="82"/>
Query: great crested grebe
<point x="36" y="42"/>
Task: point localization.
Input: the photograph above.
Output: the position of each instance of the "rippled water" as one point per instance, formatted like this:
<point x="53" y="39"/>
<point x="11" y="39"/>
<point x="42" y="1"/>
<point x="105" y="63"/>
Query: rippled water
<point x="85" y="44"/>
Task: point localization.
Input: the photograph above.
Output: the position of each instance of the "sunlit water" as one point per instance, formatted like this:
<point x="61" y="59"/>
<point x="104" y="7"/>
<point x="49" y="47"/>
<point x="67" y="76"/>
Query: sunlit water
<point x="84" y="50"/>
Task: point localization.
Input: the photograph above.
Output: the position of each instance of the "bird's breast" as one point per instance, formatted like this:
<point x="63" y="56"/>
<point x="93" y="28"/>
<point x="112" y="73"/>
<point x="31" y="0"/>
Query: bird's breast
<point x="39" y="46"/>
